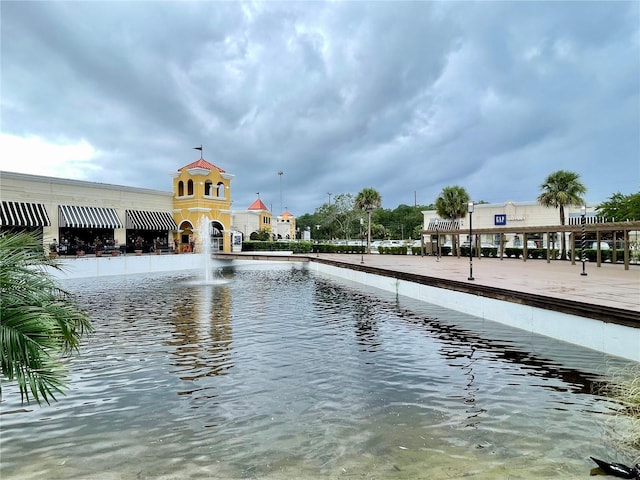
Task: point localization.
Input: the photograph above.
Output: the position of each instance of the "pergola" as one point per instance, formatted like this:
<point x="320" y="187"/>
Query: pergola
<point x="616" y="229"/>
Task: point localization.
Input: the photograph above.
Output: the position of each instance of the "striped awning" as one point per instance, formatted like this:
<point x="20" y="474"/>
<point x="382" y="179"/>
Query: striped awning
<point x="21" y="214"/>
<point x="443" y="224"/>
<point x="88" y="217"/>
<point x="142" y="220"/>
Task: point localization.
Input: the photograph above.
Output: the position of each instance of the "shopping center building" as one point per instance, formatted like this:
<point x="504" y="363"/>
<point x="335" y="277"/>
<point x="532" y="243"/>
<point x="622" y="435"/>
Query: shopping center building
<point x="530" y="225"/>
<point x="80" y="216"/>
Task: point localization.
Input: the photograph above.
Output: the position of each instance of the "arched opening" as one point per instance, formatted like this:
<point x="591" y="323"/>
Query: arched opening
<point x="220" y="190"/>
<point x="208" y="185"/>
<point x="217" y="236"/>
<point x="180" y="188"/>
<point x="184" y="241"/>
<point x="190" y="187"/>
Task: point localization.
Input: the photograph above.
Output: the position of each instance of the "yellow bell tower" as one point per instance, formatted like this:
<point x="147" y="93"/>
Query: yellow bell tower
<point x="201" y="190"/>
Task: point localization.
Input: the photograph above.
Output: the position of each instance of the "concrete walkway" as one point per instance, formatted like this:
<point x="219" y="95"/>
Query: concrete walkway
<point x="604" y="286"/>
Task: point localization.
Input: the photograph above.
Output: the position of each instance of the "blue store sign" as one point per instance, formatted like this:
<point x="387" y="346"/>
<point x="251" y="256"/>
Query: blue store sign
<point x="500" y="219"/>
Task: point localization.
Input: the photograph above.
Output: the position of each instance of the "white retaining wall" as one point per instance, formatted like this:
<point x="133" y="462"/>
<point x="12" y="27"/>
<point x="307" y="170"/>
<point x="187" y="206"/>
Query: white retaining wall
<point x="609" y="338"/>
<point x="89" y="267"/>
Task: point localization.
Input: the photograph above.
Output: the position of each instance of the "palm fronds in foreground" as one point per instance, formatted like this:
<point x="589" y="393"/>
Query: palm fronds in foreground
<point x="39" y="322"/>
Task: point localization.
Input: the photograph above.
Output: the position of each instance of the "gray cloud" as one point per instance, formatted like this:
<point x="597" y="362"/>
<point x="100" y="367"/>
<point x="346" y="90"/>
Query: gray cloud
<point x="404" y="97"/>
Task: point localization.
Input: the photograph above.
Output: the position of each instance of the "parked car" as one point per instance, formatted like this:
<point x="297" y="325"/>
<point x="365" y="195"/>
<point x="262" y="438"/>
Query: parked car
<point x="375" y="244"/>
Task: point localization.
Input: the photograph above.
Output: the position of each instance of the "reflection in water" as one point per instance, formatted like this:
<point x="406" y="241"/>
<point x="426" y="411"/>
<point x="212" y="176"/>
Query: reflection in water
<point x="202" y="334"/>
<point x="279" y="373"/>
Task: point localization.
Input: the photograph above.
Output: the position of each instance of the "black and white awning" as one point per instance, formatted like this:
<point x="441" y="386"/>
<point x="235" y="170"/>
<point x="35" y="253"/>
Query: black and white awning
<point x="22" y="214"/>
<point x="143" y="220"/>
<point x="73" y="216"/>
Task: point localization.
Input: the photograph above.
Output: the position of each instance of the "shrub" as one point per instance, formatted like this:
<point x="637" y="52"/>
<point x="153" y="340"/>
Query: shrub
<point x="332" y="248"/>
<point x="399" y="250"/>
<point x="512" y="252"/>
<point x="269" y="246"/>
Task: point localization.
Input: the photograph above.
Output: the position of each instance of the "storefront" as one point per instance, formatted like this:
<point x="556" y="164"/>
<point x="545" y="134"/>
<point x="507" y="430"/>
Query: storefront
<point x="23" y="216"/>
<point x="83" y="229"/>
<point x="149" y="231"/>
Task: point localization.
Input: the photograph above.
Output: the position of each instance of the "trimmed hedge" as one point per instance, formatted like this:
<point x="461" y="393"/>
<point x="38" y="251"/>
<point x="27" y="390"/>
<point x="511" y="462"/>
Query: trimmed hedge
<point x="332" y="248"/>
<point x="605" y="255"/>
<point x="398" y="250"/>
<point x="484" y="251"/>
<point x="260" y="246"/>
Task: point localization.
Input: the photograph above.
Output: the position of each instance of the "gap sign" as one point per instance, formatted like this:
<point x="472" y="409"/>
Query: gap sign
<point x="500" y="219"/>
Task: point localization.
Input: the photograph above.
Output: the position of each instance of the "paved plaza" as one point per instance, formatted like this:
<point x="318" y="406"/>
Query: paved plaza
<point x="607" y="286"/>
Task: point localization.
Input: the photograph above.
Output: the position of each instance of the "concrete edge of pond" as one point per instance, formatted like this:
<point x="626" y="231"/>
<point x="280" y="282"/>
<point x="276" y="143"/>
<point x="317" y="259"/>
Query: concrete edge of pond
<point x="547" y="307"/>
<point x="617" y="335"/>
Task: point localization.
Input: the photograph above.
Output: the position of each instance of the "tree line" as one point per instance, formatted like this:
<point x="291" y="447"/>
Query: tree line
<point x="344" y="219"/>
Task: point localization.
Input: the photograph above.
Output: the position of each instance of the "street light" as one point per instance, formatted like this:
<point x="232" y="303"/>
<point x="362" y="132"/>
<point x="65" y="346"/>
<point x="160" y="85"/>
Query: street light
<point x="361" y="242"/>
<point x="317" y="242"/>
<point x="470" y="209"/>
<point x="583" y="212"/>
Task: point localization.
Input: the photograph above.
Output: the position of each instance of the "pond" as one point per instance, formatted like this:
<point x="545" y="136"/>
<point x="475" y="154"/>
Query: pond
<point x="276" y="372"/>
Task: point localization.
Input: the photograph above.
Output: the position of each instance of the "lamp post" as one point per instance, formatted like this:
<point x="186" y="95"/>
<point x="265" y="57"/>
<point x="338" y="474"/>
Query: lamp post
<point x="470" y="209"/>
<point x="583" y="212"/>
<point x="317" y="242"/>
<point x="361" y="242"/>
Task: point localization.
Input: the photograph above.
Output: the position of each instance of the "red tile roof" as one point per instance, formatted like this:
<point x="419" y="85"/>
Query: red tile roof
<point x="286" y="214"/>
<point x="258" y="205"/>
<point x="201" y="163"/>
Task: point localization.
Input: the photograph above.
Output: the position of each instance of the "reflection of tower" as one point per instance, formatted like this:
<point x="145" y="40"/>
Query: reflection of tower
<point x="203" y="333"/>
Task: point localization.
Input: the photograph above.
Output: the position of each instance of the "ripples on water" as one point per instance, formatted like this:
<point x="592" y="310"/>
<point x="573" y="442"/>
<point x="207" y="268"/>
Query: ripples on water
<point x="279" y="373"/>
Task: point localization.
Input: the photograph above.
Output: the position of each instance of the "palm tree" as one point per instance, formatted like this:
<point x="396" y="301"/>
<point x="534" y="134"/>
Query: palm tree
<point x="452" y="204"/>
<point x="561" y="189"/>
<point x="38" y="321"/>
<point x="368" y="200"/>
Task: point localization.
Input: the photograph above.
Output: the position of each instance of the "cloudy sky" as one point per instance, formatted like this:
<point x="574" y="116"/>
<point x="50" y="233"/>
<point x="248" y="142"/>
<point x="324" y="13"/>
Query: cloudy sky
<point x="404" y="97"/>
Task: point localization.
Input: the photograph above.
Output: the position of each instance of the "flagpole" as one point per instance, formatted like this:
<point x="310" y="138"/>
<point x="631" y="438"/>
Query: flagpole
<point x="199" y="148"/>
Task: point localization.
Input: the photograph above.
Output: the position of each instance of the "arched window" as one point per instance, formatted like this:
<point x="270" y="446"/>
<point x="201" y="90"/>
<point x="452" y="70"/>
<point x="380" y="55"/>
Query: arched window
<point x="220" y="192"/>
<point x="207" y="188"/>
<point x="180" y="188"/>
<point x="190" y="187"/>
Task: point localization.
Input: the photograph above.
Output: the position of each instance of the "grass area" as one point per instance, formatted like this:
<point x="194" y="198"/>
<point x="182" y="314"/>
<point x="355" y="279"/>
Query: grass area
<point x="625" y="390"/>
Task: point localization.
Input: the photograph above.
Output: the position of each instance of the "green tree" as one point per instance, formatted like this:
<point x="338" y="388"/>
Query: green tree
<point x="368" y="200"/>
<point x="262" y="235"/>
<point x="621" y="208"/>
<point x="39" y="322"/>
<point x="452" y="204"/>
<point x="344" y="214"/>
<point x="402" y="222"/>
<point x="559" y="190"/>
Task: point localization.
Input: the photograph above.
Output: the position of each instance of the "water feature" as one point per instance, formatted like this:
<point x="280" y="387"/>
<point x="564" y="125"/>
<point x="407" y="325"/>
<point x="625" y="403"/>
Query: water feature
<point x="280" y="373"/>
<point x="204" y="234"/>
